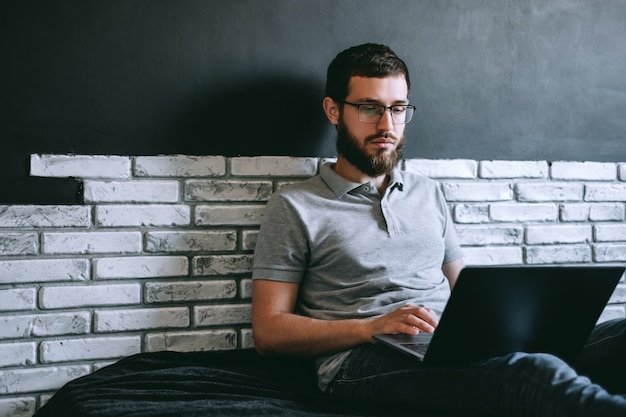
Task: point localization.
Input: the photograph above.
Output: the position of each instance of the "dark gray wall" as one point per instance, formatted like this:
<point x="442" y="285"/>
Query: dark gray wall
<point x="493" y="79"/>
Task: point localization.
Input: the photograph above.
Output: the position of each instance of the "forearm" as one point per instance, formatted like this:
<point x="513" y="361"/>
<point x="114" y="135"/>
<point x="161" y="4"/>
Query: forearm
<point x="278" y="330"/>
<point x="291" y="334"/>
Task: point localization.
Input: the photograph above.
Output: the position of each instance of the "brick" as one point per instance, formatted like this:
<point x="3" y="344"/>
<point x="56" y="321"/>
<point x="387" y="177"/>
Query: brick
<point x="161" y="292"/>
<point x="17" y="299"/>
<point x="80" y="166"/>
<point x="513" y="169"/>
<point x="274" y="166"/>
<point x="141" y="318"/>
<point x="92" y="242"/>
<point x="545" y="234"/>
<point x="471" y="213"/>
<point x="574" y="212"/>
<point x="22" y="326"/>
<point x="595" y="212"/>
<point x="621" y="172"/>
<point x="245" y="288"/>
<point x="191" y="241"/>
<point x="39" y="379"/>
<point x="43" y="270"/>
<point x="610" y="232"/>
<point x="216" y="190"/>
<point x="180" y="166"/>
<point x="610" y="253"/>
<point x="19" y="244"/>
<point x="586" y="171"/>
<point x="544" y="191"/>
<point x="492" y="255"/>
<point x="611" y="313"/>
<point x="89" y="348"/>
<point x="141" y="267"/>
<point x="143" y="215"/>
<point x="243" y="215"/>
<point x="18" y="354"/>
<point x="130" y="191"/>
<point x="61" y="323"/>
<point x="18" y="407"/>
<point x="89" y="295"/>
<point x="607" y="212"/>
<point x="558" y="254"/>
<point x="513" y="212"/>
<point x="452" y="168"/>
<point x="197" y="341"/>
<point x="247" y="339"/>
<point x="490" y="235"/>
<point x="44" y="216"/>
<point x="222" y="314"/>
<point x="222" y="264"/>
<point x="605" y="192"/>
<point x="248" y="239"/>
<point x="468" y="191"/>
<point x="619" y="295"/>
<point x="16" y="326"/>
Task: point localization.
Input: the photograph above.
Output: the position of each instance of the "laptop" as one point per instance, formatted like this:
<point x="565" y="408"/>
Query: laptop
<point x="493" y="311"/>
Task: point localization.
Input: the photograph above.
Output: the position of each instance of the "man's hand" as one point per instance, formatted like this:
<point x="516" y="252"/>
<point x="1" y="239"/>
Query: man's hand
<point x="409" y="319"/>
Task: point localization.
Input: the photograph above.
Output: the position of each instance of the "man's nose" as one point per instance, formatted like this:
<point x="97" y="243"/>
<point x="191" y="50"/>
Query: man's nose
<point x="386" y="121"/>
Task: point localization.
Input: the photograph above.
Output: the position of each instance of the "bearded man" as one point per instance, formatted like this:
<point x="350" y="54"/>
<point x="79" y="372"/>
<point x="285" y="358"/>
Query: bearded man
<point x="365" y="248"/>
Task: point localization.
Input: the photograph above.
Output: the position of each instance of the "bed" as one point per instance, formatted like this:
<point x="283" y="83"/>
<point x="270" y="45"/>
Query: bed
<point x="225" y="383"/>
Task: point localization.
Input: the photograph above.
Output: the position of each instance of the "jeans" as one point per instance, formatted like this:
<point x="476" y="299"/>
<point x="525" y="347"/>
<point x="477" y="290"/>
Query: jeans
<point x="517" y="384"/>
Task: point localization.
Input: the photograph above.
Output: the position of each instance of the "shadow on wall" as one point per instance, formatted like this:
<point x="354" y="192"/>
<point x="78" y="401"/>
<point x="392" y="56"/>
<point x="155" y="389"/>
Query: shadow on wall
<point x="265" y="116"/>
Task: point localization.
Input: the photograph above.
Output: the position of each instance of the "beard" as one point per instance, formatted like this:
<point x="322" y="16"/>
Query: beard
<point x="380" y="163"/>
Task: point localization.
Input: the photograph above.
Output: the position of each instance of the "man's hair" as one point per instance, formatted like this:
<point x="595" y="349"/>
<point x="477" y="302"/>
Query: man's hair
<point x="367" y="60"/>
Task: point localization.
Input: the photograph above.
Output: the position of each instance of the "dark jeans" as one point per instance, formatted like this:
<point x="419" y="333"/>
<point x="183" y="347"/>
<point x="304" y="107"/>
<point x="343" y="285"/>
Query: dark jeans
<point x="517" y="384"/>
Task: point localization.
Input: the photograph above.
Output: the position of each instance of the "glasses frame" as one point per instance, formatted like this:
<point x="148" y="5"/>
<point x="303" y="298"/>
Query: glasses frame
<point x="390" y="108"/>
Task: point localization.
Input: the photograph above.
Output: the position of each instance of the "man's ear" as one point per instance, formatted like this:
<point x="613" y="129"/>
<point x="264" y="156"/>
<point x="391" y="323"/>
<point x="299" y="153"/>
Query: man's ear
<point x="331" y="108"/>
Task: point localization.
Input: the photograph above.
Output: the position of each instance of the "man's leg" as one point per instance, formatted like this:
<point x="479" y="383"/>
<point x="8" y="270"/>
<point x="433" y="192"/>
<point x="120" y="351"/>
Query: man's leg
<point x="604" y="357"/>
<point x="519" y="384"/>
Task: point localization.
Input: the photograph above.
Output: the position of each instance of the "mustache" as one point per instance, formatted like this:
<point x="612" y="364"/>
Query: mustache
<point x="382" y="135"/>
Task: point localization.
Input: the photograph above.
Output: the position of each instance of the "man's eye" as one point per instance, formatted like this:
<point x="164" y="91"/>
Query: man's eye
<point x="398" y="109"/>
<point x="370" y="110"/>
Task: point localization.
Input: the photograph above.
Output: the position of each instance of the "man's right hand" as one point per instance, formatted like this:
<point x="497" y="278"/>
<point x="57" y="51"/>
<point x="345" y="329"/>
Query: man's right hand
<point x="409" y="319"/>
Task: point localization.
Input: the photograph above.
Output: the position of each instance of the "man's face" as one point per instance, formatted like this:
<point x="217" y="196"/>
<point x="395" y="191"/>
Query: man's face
<point x="373" y="148"/>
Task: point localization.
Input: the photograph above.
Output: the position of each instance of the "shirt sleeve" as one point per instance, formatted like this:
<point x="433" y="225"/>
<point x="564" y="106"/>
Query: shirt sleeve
<point x="282" y="251"/>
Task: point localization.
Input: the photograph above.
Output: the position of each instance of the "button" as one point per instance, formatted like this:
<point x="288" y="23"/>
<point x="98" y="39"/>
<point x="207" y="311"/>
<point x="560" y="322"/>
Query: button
<point x="366" y="188"/>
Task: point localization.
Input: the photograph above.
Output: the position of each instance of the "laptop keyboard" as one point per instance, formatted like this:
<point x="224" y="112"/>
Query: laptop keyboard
<point x="417" y="347"/>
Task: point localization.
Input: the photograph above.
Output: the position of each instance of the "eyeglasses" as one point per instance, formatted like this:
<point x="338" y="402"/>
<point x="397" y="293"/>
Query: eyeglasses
<point x="372" y="113"/>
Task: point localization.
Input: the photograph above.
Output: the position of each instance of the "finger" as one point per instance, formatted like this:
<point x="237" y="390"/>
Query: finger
<point x="407" y="327"/>
<point x="427" y="314"/>
<point x="425" y="321"/>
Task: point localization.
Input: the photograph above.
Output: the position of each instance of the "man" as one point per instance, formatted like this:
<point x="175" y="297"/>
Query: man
<point x="364" y="248"/>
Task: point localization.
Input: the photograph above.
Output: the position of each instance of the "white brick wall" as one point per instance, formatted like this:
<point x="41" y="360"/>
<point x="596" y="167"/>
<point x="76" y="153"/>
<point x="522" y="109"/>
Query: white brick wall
<point x="159" y="255"/>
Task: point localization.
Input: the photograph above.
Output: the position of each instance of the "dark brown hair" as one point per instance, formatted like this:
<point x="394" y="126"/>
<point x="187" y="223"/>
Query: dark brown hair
<point x="367" y="60"/>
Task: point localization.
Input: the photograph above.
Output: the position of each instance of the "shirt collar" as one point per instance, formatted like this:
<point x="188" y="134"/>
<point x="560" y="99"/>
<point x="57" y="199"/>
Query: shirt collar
<point x="340" y="186"/>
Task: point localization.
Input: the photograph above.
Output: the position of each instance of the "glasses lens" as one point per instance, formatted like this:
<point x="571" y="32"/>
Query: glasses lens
<point x="370" y="113"/>
<point x="402" y="114"/>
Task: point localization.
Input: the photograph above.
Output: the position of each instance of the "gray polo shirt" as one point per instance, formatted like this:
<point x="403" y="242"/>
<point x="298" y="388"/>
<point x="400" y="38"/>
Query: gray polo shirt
<point x="355" y="253"/>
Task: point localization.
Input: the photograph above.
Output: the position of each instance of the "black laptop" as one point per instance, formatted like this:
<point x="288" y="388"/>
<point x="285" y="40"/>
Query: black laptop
<point x="493" y="311"/>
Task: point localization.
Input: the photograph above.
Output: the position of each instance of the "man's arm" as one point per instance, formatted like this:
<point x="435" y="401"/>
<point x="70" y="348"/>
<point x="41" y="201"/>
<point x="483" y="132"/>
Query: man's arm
<point x="452" y="270"/>
<point x="278" y="330"/>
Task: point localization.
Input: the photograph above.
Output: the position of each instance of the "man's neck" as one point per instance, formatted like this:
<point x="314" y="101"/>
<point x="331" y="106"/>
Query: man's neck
<point x="352" y="173"/>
